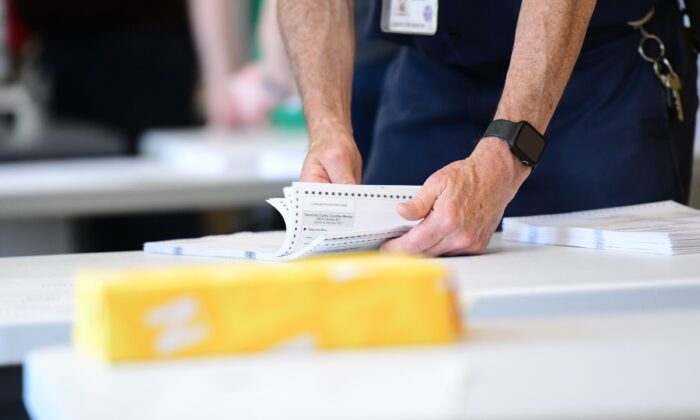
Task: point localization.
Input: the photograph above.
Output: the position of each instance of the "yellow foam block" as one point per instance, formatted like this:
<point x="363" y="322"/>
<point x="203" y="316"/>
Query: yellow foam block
<point x="357" y="301"/>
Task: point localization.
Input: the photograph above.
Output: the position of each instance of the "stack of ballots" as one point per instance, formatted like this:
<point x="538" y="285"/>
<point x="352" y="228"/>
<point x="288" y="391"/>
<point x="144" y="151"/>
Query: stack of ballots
<point x="664" y="227"/>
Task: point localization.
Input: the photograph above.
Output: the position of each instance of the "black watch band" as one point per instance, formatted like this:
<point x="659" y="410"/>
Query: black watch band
<point x="525" y="142"/>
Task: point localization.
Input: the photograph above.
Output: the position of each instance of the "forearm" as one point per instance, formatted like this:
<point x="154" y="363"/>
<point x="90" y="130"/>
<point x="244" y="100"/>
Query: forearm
<point x="274" y="62"/>
<point x="548" y="40"/>
<point x="211" y="27"/>
<point x="320" y="40"/>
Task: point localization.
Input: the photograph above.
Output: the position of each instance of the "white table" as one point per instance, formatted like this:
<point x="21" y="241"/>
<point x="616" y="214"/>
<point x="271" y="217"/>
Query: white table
<point x="509" y="281"/>
<point x="179" y="171"/>
<point x="587" y="367"/>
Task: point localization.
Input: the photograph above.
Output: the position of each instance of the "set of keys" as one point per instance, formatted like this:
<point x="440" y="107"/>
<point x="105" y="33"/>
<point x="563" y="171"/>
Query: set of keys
<point x="672" y="84"/>
<point x="663" y="70"/>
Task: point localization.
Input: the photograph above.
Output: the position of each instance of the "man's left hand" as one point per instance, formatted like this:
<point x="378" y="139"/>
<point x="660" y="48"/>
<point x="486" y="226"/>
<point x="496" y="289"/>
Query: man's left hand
<point x="462" y="203"/>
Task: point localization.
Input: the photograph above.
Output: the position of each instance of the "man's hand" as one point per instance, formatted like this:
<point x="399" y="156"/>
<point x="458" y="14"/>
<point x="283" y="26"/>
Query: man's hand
<point x="462" y="203"/>
<point x="320" y="39"/>
<point x="333" y="158"/>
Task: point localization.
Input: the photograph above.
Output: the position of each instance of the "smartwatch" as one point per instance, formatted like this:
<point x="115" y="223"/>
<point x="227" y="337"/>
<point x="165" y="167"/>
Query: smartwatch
<point x="525" y="142"/>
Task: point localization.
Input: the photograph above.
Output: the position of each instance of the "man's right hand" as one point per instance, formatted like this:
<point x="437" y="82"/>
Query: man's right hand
<point x="333" y="158"/>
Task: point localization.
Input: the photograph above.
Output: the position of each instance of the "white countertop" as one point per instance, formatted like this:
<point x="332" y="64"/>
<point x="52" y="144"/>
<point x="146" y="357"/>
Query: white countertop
<point x="616" y="366"/>
<point x="510" y="281"/>
<point x="180" y="170"/>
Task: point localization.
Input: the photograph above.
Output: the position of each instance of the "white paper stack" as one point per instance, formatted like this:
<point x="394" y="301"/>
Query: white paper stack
<point x="319" y="218"/>
<point x="664" y="227"/>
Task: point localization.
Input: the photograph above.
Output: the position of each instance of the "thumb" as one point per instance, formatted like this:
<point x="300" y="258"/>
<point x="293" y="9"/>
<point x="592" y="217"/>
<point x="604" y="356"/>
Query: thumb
<point x="420" y="205"/>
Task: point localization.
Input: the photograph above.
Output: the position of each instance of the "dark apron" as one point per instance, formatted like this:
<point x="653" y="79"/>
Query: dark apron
<point x="612" y="140"/>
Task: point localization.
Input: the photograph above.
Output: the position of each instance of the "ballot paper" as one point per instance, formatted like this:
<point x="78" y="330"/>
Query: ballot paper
<point x="319" y="219"/>
<point x="664" y="227"/>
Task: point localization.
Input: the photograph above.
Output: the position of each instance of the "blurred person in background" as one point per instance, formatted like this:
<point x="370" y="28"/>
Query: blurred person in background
<point x="237" y="93"/>
<point x="246" y="97"/>
<point x="130" y="66"/>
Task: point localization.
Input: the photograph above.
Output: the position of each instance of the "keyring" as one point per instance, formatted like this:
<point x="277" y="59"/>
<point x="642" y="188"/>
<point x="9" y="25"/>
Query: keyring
<point x="637" y="24"/>
<point x="662" y="48"/>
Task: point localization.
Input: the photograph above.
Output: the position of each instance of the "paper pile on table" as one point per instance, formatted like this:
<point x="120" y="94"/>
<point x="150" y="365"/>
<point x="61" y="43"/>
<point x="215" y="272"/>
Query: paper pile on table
<point x="664" y="227"/>
<point x="319" y="219"/>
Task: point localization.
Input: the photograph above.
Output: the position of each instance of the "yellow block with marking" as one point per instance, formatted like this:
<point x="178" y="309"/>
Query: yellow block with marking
<point x="352" y="301"/>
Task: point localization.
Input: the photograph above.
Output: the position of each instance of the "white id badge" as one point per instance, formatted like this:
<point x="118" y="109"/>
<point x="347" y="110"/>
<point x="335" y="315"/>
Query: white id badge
<point x="414" y="17"/>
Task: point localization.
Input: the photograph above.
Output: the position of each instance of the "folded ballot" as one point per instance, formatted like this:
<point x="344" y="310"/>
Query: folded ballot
<point x="319" y="219"/>
<point x="241" y="307"/>
<point x="664" y="227"/>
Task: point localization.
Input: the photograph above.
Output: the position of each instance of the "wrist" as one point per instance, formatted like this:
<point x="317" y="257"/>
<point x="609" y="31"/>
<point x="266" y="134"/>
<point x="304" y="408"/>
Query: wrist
<point x="329" y="126"/>
<point x="499" y="155"/>
<point x="538" y="121"/>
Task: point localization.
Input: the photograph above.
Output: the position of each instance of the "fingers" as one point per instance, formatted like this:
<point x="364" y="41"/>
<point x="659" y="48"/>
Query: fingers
<point x="314" y="177"/>
<point x="442" y="247"/>
<point x="451" y="244"/>
<point x="442" y="232"/>
<point x="467" y="202"/>
<point x="457" y="243"/>
<point x="333" y="158"/>
<point x="342" y="174"/>
<point x="336" y="174"/>
<point x="420" y="238"/>
<point x="313" y="171"/>
<point x="338" y="165"/>
<point x="421" y="203"/>
<point x="426" y="233"/>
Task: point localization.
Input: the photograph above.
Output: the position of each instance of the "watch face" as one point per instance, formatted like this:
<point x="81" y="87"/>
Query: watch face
<point x="530" y="142"/>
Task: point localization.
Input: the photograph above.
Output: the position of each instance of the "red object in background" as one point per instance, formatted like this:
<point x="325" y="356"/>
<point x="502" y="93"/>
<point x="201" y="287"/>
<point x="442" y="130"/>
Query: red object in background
<point x="17" y="32"/>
